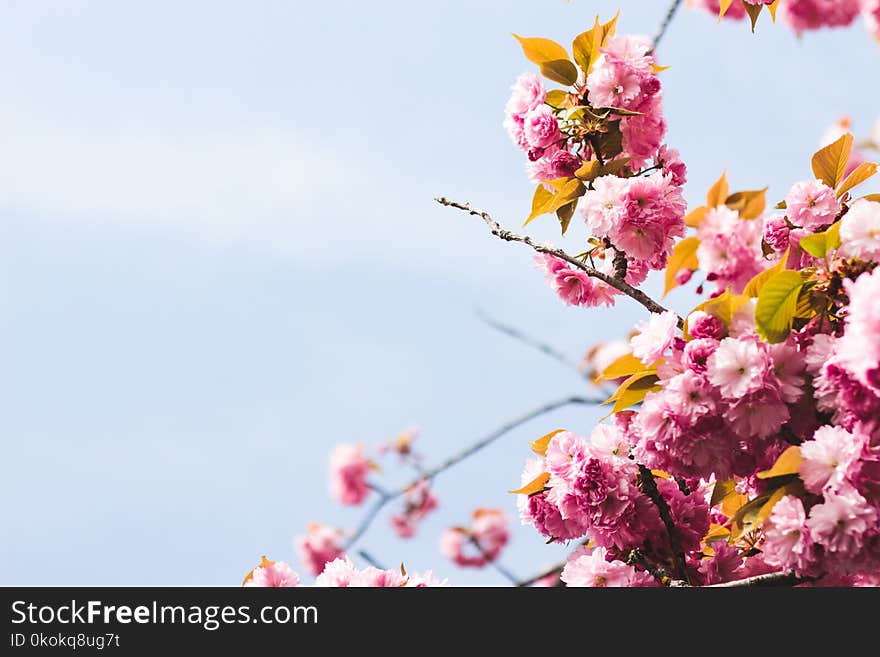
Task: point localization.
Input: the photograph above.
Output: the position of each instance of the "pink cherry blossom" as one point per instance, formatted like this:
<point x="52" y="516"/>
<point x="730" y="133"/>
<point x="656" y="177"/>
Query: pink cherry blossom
<point x="319" y="546"/>
<point x="272" y="574"/>
<point x="348" y="474"/>
<point x="654" y="337"/>
<point x="811" y="204"/>
<point x="860" y="231"/>
<point x="594" y="569"/>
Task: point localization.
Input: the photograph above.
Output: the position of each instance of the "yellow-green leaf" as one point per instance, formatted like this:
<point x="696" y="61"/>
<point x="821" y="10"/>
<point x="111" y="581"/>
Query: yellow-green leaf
<point x="718" y="192"/>
<point x="723" y="307"/>
<point x="750" y="204"/>
<point x="777" y="301"/>
<point x="684" y="256"/>
<point x="538" y="50"/>
<point x="585" y="47"/>
<point x="722" y="489"/>
<point x="819" y="244"/>
<point x="696" y="216"/>
<point x="716" y="533"/>
<point x="565" y="191"/>
<point x="859" y="175"/>
<point x="786" y="464"/>
<point x="753" y="11"/>
<point x="753" y="514"/>
<point x="753" y="287"/>
<point x="539" y="446"/>
<point x="557" y="98"/>
<point x="623" y="366"/>
<point x="536" y="485"/>
<point x="633" y="390"/>
<point x="829" y="163"/>
<point x="592" y="169"/>
<point x="560" y="70"/>
<point x="564" y="214"/>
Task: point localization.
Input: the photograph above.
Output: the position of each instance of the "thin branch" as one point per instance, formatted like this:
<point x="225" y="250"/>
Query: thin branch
<point x="503" y="429"/>
<point x="555" y="570"/>
<point x="649" y="487"/>
<point x="544" y="348"/>
<point x="366" y="556"/>
<point x="770" y="579"/>
<point x="667" y="20"/>
<point x="508" y="236"/>
<point x="513" y="579"/>
<point x="386" y="496"/>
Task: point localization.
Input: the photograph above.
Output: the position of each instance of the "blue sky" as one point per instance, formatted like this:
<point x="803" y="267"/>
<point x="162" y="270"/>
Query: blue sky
<point x="221" y="257"/>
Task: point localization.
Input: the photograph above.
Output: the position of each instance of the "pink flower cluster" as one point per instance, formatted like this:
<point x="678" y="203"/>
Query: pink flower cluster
<point x="419" y="501"/>
<point x="724" y="401"/>
<point x="340" y="572"/>
<point x="348" y="474"/>
<point x="806" y="15"/>
<point x="640" y="216"/>
<point x="577" y="288"/>
<point x="595" y="568"/>
<point x="730" y="248"/>
<point x="319" y="546"/>
<point x="479" y="544"/>
<point x="595" y="491"/>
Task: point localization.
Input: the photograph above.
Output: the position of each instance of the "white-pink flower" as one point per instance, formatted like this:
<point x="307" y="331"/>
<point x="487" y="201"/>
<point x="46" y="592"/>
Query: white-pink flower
<point x="590" y="568"/>
<point x="654" y="337"/>
<point x="737" y="367"/>
<point x="860" y="231"/>
<point x="272" y="574"/>
<point x="319" y="546"/>
<point x="811" y="204"/>
<point x="828" y="458"/>
<point x="348" y="474"/>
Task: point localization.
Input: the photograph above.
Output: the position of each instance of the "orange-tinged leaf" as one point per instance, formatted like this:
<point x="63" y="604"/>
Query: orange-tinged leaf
<point x="536" y="485"/>
<point x="718" y="192"/>
<point x="659" y="69"/>
<point x="733" y="503"/>
<point x="264" y="562"/>
<point x="716" y="533"/>
<point x="721" y="490"/>
<point x="661" y="474"/>
<point x="829" y="162"/>
<point x="750" y="204"/>
<point x="753" y="11"/>
<point x="565" y="191"/>
<point x="585" y="47"/>
<point x="564" y="214"/>
<point x="786" y="464"/>
<point x="872" y="197"/>
<point x="539" y="446"/>
<point x="539" y="50"/>
<point x="724" y="5"/>
<point x="633" y="390"/>
<point x="557" y="98"/>
<point x="773" y="7"/>
<point x="623" y="366"/>
<point x="696" y="216"/>
<point x="684" y="256"/>
<point x="859" y="175"/>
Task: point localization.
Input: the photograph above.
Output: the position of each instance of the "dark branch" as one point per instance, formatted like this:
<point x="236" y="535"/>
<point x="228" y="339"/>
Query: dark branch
<point x="770" y="579"/>
<point x="667" y="20"/>
<point x="508" y="236"/>
<point x="366" y="556"/>
<point x="555" y="570"/>
<point x="513" y="579"/>
<point x="649" y="487"/>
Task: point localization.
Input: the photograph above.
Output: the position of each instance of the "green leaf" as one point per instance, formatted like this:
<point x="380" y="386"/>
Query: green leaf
<point x="585" y="47"/>
<point x="819" y="244"/>
<point x="684" y="256"/>
<point x="829" y="163"/>
<point x="750" y="204"/>
<point x="560" y="70"/>
<point x="859" y="175"/>
<point x="777" y="302"/>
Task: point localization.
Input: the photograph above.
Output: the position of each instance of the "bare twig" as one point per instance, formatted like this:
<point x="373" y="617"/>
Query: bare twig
<point x="544" y="348"/>
<point x="513" y="579"/>
<point x="508" y="236"/>
<point x="770" y="579"/>
<point x="555" y="570"/>
<point x="366" y="556"/>
<point x="386" y="496"/>
<point x="667" y="20"/>
<point x="649" y="487"/>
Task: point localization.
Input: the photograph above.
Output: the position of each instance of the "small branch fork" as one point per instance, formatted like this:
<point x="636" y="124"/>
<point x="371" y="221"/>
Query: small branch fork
<point x="387" y="496"/>
<point x="618" y="284"/>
